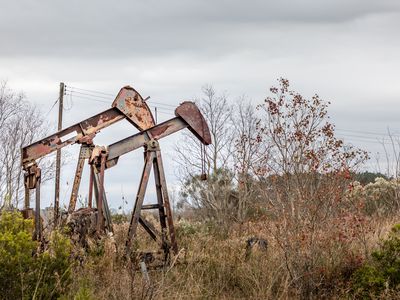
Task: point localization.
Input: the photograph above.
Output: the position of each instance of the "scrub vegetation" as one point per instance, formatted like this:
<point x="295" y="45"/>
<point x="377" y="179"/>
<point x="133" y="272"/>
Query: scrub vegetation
<point x="286" y="212"/>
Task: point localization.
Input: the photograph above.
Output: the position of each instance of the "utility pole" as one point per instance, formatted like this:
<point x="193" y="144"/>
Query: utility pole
<point x="58" y="157"/>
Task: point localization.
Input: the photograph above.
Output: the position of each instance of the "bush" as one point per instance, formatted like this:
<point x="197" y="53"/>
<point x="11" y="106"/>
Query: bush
<point x="382" y="275"/>
<point x="380" y="197"/>
<point x="26" y="273"/>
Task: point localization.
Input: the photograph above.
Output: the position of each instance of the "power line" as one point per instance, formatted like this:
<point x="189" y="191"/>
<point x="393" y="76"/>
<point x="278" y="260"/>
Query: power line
<point x="162" y="104"/>
<point x="364" y="132"/>
<point x="89" y="95"/>
<point x="91" y="91"/>
<point x="360" y="136"/>
<point x="365" y="141"/>
<point x="87" y="98"/>
<point x="162" y="110"/>
<point x="54" y="104"/>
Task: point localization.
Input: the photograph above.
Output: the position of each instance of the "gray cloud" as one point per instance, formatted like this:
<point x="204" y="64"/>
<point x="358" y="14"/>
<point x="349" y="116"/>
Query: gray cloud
<point x="142" y="28"/>
<point x="347" y="51"/>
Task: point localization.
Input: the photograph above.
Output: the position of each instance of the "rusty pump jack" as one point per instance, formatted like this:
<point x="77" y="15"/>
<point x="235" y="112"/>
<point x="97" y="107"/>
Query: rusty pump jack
<point x="130" y="105"/>
<point x="187" y="116"/>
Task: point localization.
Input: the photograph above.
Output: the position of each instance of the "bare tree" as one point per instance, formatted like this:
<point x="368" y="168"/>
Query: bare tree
<point x="20" y="124"/>
<point x="217" y="111"/>
<point x="214" y="197"/>
<point x="391" y="150"/>
<point x="247" y="152"/>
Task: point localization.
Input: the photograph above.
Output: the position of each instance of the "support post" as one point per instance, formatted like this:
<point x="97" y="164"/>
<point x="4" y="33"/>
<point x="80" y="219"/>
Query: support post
<point x="38" y="225"/>
<point x="77" y="178"/>
<point x="105" y="208"/>
<point x="90" y="200"/>
<point x="168" y="241"/>
<point x="139" y="199"/>
<point x="100" y="220"/>
<point x="161" y="211"/>
<point x="166" y="202"/>
<point x="27" y="198"/>
<point x="58" y="157"/>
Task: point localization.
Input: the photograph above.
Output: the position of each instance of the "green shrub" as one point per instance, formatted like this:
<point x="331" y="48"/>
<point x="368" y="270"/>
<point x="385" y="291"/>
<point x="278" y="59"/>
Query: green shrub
<point x="382" y="274"/>
<point x="16" y="255"/>
<point x="185" y="229"/>
<point x="26" y="273"/>
<point x="119" y="218"/>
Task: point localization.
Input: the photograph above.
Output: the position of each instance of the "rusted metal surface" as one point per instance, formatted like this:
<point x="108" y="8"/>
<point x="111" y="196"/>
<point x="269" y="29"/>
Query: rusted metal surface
<point x="150" y="206"/>
<point x="27" y="198"/>
<point x="139" y="140"/>
<point x="167" y="206"/>
<point x="100" y="221"/>
<point x="189" y="112"/>
<point x="139" y="200"/>
<point x="131" y="103"/>
<point x="38" y="225"/>
<point x="188" y="115"/>
<point x="91" y="176"/>
<point x="160" y="204"/>
<point x="106" y="210"/>
<point x="153" y="159"/>
<point x="151" y="230"/>
<point x="84" y="154"/>
<point x="128" y="104"/>
<point x="79" y="132"/>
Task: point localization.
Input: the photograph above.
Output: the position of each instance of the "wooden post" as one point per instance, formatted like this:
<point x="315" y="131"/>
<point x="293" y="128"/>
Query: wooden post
<point x="58" y="157"/>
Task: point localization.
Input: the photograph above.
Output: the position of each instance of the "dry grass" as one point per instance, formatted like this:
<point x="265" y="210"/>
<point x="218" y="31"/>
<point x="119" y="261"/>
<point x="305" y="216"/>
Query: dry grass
<point x="213" y="267"/>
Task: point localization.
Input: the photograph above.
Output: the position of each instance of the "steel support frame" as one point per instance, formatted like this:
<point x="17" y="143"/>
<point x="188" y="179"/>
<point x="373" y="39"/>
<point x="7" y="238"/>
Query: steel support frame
<point x="96" y="183"/>
<point x="188" y="116"/>
<point x="166" y="238"/>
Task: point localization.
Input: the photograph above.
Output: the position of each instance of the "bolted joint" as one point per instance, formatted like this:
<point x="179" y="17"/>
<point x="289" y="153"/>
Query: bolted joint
<point x="97" y="153"/>
<point x="152" y="145"/>
<point x="32" y="176"/>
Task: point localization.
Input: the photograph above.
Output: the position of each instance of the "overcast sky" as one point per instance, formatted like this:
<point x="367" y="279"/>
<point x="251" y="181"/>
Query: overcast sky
<point x="347" y="51"/>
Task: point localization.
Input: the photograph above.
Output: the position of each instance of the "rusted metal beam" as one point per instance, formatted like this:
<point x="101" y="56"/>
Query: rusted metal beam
<point x="139" y="140"/>
<point x="91" y="176"/>
<point x="38" y="221"/>
<point x="27" y="198"/>
<point x="84" y="154"/>
<point x="100" y="220"/>
<point x="188" y="115"/>
<point x="167" y="206"/>
<point x="139" y="199"/>
<point x="151" y="230"/>
<point x="73" y="134"/>
<point x="150" y="206"/>
<point x="106" y="209"/>
<point x="128" y="104"/>
<point x="160" y="201"/>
